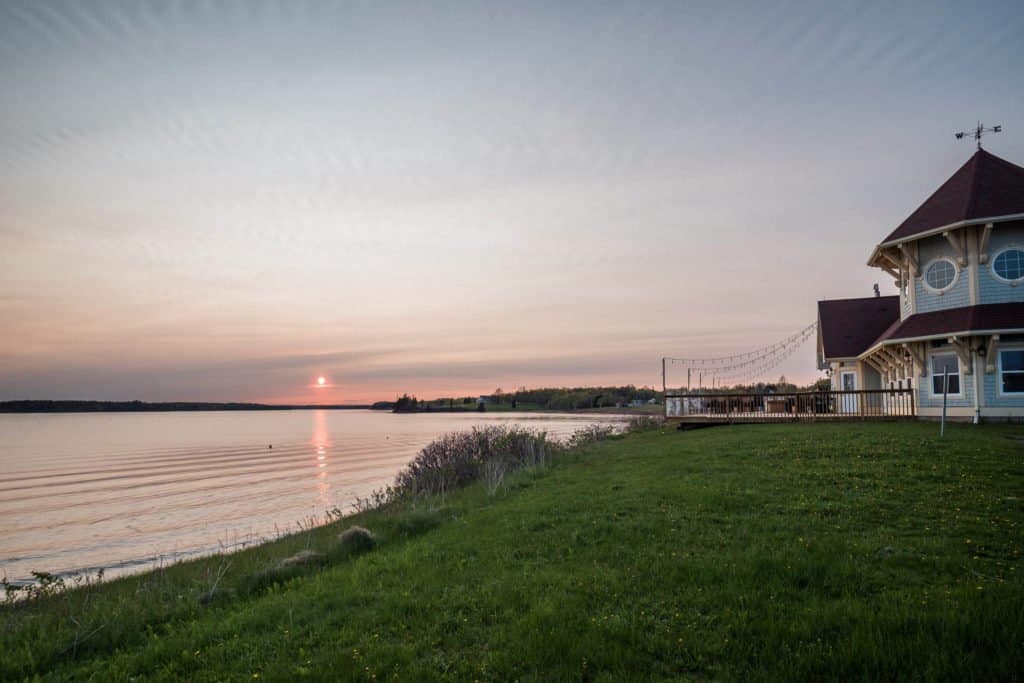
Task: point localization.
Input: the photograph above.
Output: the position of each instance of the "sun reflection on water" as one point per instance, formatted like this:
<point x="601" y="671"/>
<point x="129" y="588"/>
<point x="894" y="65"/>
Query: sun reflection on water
<point x="321" y="443"/>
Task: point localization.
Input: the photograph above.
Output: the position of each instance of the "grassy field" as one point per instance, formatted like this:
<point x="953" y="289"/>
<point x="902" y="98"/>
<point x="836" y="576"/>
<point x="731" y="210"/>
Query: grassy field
<point x="761" y="552"/>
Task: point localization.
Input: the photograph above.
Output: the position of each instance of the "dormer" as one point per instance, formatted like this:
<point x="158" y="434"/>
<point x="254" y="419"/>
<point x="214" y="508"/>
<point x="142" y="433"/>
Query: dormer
<point x="964" y="246"/>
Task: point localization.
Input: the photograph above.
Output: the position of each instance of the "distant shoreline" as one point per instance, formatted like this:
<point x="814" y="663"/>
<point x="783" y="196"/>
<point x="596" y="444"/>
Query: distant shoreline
<point x="29" y="406"/>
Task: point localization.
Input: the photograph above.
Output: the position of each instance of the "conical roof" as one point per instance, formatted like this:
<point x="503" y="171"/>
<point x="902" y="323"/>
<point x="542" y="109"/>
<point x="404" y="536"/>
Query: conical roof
<point x="984" y="187"/>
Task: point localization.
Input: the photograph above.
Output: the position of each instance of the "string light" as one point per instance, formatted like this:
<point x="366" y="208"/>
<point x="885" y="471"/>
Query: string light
<point x="764" y="350"/>
<point x="750" y="364"/>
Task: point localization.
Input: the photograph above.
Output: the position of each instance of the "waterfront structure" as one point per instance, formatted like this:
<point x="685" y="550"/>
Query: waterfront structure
<point x="958" y="262"/>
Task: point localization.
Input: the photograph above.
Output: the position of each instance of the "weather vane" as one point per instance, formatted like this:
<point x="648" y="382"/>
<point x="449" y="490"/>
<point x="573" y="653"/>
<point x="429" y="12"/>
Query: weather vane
<point x="978" y="132"/>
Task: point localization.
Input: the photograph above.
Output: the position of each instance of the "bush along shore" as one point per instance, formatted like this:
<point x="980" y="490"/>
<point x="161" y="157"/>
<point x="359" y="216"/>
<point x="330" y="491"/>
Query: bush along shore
<point x="760" y="552"/>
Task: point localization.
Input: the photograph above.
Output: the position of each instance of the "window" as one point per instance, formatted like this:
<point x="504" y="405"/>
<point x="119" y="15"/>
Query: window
<point x="1009" y="265"/>
<point x="940" y="274"/>
<point x="1011" y="371"/>
<point x="940" y="364"/>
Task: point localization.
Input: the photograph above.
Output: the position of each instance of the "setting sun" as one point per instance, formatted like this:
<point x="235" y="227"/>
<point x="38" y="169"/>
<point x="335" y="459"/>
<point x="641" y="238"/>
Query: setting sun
<point x="321" y="380"/>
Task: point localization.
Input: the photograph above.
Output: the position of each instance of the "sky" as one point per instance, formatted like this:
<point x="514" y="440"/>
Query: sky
<point x="220" y="201"/>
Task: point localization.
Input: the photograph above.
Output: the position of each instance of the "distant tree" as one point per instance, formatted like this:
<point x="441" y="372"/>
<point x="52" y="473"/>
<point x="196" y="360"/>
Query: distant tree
<point x="406" y="404"/>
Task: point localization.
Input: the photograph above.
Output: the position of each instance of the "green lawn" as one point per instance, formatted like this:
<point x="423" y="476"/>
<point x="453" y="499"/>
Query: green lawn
<point x="757" y="552"/>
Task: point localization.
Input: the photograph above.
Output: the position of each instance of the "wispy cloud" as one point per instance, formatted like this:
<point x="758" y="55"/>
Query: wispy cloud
<point x="217" y="199"/>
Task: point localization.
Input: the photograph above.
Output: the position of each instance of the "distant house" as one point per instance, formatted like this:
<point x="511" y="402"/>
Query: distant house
<point x="958" y="262"/>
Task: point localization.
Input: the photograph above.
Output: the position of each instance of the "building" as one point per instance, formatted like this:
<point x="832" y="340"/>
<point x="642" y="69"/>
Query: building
<point x="958" y="262"/>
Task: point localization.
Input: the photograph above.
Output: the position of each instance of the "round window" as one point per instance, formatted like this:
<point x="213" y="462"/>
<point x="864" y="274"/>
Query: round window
<point x="1009" y="264"/>
<point x="940" y="274"/>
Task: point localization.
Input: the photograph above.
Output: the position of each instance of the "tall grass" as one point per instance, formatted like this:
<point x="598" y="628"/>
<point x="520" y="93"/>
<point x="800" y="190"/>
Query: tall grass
<point x="483" y="454"/>
<point x="458" y="459"/>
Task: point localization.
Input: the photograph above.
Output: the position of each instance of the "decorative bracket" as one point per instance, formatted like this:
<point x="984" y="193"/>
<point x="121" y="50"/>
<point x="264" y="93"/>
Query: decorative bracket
<point x="986" y="235"/>
<point x="896" y="362"/>
<point x="957" y="240"/>
<point x="911" y="260"/>
<point x="893" y="267"/>
<point x="918" y="358"/>
<point x="963" y="350"/>
<point x="991" y="349"/>
<point x="878" y="366"/>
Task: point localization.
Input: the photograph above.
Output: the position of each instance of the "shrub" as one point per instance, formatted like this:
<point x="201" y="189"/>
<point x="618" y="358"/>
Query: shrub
<point x="356" y="540"/>
<point x="590" y="434"/>
<point x="643" y="423"/>
<point x="458" y="459"/>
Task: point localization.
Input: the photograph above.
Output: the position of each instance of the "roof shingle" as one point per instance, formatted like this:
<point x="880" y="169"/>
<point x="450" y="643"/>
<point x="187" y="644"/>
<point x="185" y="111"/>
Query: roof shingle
<point x="984" y="317"/>
<point x="984" y="187"/>
<point x="849" y="326"/>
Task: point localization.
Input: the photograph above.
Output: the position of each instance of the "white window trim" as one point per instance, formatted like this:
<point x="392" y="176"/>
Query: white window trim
<point x="952" y="283"/>
<point x="932" y="375"/>
<point x="997" y="276"/>
<point x="848" y="372"/>
<point x="999" y="371"/>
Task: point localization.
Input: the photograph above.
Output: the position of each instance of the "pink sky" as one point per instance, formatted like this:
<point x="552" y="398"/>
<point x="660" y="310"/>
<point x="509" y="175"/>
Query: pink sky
<point x="224" y="202"/>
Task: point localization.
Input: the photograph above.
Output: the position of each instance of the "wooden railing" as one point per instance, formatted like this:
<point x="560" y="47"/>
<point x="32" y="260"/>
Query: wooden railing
<point x="867" y="404"/>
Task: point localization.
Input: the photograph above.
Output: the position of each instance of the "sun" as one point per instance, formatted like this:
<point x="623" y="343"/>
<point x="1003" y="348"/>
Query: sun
<point x="321" y="380"/>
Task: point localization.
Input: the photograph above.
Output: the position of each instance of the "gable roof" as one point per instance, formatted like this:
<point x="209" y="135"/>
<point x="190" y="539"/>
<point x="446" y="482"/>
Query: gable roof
<point x="847" y="327"/>
<point x="984" y="187"/>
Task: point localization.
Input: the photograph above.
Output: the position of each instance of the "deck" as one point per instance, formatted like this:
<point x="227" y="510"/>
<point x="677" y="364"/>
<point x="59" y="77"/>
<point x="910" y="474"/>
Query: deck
<point x="809" y="406"/>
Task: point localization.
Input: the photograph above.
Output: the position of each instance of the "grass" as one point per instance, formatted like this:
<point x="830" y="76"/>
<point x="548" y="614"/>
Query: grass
<point x="760" y="552"/>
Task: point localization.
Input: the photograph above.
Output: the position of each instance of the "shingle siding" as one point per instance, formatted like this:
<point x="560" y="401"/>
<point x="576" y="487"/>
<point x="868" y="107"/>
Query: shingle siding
<point x="992" y="397"/>
<point x="991" y="290"/>
<point x="960" y="295"/>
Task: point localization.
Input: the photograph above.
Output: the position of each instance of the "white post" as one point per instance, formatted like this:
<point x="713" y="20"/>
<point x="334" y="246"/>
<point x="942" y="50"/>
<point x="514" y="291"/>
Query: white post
<point x="945" y="392"/>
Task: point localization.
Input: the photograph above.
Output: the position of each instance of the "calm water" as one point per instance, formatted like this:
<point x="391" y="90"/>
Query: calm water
<point x="133" y="490"/>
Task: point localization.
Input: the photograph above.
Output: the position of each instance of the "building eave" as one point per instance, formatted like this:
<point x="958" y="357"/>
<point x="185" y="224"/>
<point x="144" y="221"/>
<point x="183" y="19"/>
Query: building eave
<point x="942" y="335"/>
<point x="871" y="263"/>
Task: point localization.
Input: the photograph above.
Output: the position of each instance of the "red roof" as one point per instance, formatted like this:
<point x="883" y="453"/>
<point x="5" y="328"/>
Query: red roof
<point x="985" y="317"/>
<point x="985" y="187"/>
<point x="849" y="326"/>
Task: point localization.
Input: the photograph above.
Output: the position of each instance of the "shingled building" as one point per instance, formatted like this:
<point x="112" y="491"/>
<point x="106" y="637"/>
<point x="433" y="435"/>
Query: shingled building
<point x="958" y="262"/>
